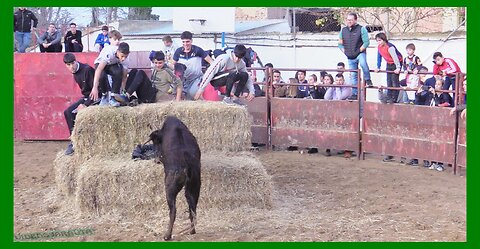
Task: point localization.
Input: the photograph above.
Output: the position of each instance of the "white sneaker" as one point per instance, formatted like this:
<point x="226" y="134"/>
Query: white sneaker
<point x="439" y="167"/>
<point x="104" y="101"/>
<point x="228" y="101"/>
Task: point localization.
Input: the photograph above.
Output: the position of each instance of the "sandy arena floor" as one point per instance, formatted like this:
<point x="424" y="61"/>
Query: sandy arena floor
<point x="316" y="198"/>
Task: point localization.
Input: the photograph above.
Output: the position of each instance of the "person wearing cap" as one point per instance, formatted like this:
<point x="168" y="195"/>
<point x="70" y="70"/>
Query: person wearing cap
<point x="102" y="39"/>
<point x="191" y="56"/>
<point x="226" y="70"/>
<point x="83" y="75"/>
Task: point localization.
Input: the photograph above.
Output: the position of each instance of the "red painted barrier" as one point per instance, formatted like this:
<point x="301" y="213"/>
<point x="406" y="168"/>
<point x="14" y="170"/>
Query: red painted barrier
<point x="462" y="144"/>
<point x="315" y="123"/>
<point x="43" y="89"/>
<point x="412" y="131"/>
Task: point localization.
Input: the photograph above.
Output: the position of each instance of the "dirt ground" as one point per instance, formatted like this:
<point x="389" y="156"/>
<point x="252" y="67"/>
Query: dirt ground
<point x="316" y="198"/>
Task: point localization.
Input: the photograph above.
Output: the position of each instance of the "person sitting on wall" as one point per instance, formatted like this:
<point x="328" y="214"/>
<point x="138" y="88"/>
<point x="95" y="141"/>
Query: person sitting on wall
<point x="50" y="40"/>
<point x="102" y="39"/>
<point x="73" y="39"/>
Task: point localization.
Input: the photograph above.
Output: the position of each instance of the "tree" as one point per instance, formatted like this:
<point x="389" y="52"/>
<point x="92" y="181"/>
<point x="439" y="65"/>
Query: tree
<point x="95" y="17"/>
<point x="396" y="19"/>
<point x="144" y="13"/>
<point x="56" y="15"/>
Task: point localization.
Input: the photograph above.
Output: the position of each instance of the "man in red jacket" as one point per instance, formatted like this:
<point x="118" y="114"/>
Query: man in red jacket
<point x="446" y="68"/>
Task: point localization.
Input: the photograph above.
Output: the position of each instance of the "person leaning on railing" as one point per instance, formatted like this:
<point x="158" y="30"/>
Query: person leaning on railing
<point x="462" y="108"/>
<point x="278" y="90"/>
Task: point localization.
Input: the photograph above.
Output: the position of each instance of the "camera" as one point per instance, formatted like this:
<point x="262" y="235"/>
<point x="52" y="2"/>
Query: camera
<point x="425" y="88"/>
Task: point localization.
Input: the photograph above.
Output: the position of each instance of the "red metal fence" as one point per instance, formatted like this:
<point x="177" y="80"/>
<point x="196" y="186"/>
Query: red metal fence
<point x="258" y="109"/>
<point x="315" y="123"/>
<point x="461" y="145"/>
<point x="411" y="131"/>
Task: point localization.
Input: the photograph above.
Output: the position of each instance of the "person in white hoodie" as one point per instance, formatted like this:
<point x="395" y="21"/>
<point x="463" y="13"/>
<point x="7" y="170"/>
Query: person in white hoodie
<point x="226" y="70"/>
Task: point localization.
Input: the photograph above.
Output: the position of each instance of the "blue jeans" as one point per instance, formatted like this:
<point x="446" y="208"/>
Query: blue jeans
<point x="191" y="86"/>
<point x="23" y="39"/>
<point x="353" y="65"/>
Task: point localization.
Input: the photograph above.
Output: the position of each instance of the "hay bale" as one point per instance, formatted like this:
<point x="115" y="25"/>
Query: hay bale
<point x="135" y="189"/>
<point x="119" y="187"/>
<point x="109" y="132"/>
<point x="65" y="168"/>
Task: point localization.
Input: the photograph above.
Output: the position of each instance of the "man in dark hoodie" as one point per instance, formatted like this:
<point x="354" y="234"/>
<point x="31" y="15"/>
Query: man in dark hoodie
<point x="22" y="25"/>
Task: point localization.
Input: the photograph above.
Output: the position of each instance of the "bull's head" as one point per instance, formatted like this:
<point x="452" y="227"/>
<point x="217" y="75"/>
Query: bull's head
<point x="156" y="137"/>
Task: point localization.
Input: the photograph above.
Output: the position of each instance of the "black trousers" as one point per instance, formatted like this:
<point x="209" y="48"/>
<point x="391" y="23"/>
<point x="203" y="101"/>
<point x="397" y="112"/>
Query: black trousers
<point x="69" y="116"/>
<point x="73" y="47"/>
<point x="54" y="48"/>
<point x="114" y="70"/>
<point x="392" y="81"/>
<point x="139" y="82"/>
<point x="229" y="80"/>
<point x="449" y="81"/>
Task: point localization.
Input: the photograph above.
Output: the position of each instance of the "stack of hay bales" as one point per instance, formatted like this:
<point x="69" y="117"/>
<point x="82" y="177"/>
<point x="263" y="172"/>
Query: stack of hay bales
<point x="101" y="178"/>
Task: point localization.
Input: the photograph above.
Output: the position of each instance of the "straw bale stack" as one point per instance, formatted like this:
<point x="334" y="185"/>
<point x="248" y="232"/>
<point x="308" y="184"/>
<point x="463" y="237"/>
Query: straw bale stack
<point x="101" y="179"/>
<point x="135" y="189"/>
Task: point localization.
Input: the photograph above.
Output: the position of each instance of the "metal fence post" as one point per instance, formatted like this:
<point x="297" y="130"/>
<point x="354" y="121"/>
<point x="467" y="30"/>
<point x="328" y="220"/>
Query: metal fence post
<point x="269" y="92"/>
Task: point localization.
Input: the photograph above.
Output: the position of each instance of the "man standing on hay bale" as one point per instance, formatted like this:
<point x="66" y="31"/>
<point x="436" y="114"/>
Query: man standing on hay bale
<point x="158" y="88"/>
<point x="191" y="56"/>
<point x="82" y="74"/>
<point x="226" y="70"/>
<point x="111" y="61"/>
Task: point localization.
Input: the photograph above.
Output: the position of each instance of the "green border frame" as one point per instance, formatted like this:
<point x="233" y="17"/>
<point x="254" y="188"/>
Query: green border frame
<point x="6" y="187"/>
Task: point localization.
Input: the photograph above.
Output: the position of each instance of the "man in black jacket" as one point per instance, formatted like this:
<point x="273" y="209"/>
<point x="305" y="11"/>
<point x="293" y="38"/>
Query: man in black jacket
<point x="22" y="25"/>
<point x="73" y="39"/>
<point x="83" y="75"/>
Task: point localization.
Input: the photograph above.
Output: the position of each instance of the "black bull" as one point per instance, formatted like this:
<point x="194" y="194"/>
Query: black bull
<point x="177" y="149"/>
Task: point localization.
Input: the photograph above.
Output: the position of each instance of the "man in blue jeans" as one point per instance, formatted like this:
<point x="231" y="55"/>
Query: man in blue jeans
<point x="22" y="25"/>
<point x="353" y="41"/>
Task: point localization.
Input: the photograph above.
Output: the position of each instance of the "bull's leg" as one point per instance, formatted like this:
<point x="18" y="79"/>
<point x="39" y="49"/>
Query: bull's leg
<point x="192" y="210"/>
<point x="192" y="193"/>
<point x="172" y="188"/>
